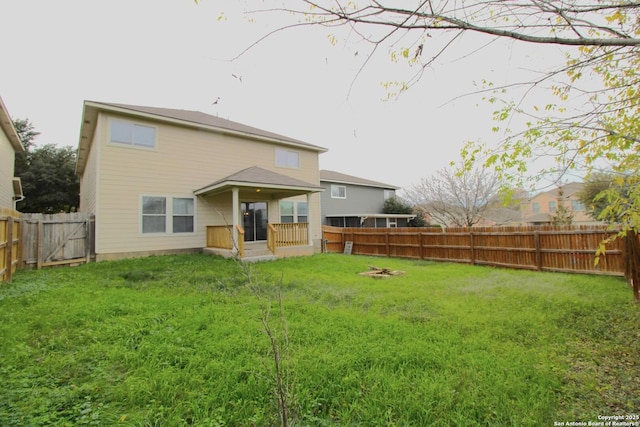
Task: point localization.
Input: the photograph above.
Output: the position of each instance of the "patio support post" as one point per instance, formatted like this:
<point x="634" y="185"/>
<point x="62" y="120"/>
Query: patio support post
<point x="235" y="206"/>
<point x="309" y="221"/>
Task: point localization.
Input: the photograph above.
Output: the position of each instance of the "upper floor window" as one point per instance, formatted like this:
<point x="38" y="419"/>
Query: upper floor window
<point x="132" y="134"/>
<point x="287" y="158"/>
<point x="388" y="194"/>
<point x="338" y="191"/>
<point x="536" y="207"/>
<point x="577" y="206"/>
<point x="552" y="207"/>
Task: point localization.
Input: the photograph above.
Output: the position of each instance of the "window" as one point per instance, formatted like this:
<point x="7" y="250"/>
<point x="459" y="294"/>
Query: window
<point x="182" y="215"/>
<point x="338" y="192"/>
<point x="127" y="133"/>
<point x="286" y="212"/>
<point x="576" y="206"/>
<point x="293" y="212"/>
<point x="154" y="214"/>
<point x="536" y="207"/>
<point x="287" y="158"/>
<point x="157" y="210"/>
<point x="552" y="207"/>
<point x="389" y="194"/>
<point x="302" y="212"/>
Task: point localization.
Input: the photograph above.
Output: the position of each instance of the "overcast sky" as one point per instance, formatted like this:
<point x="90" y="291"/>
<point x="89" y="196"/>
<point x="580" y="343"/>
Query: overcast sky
<point x="175" y="54"/>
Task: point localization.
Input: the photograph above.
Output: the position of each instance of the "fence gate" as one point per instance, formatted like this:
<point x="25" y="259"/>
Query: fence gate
<point x="57" y="239"/>
<point x="9" y="243"/>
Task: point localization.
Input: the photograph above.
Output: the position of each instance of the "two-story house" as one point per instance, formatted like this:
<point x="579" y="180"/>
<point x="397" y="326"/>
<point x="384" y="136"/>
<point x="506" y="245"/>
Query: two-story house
<point x="349" y="201"/>
<point x="541" y="208"/>
<point x="10" y="186"/>
<point x="163" y="180"/>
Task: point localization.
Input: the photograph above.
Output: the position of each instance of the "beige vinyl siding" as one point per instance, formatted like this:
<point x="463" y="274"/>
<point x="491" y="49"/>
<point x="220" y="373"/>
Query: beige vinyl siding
<point x="184" y="159"/>
<point x="89" y="179"/>
<point x="7" y="159"/>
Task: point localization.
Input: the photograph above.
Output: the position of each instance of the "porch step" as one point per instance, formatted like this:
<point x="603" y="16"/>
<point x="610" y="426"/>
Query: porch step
<point x="256" y="252"/>
<point x="259" y="258"/>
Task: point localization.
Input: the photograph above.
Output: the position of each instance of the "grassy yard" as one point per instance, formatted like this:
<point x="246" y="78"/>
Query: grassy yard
<point x="178" y="340"/>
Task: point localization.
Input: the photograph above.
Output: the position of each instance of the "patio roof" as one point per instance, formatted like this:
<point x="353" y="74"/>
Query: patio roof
<point x="260" y="180"/>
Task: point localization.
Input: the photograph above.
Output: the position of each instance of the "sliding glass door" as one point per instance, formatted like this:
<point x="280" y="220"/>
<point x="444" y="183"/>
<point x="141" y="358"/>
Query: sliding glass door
<point x="254" y="221"/>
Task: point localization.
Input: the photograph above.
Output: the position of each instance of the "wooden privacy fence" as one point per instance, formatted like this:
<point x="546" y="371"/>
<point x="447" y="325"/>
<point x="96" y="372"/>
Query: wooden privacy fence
<point x="57" y="239"/>
<point x="9" y="243"/>
<point x="563" y="249"/>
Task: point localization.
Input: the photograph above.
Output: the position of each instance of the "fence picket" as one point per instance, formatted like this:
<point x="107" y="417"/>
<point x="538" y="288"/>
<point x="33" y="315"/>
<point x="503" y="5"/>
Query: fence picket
<point x="564" y="249"/>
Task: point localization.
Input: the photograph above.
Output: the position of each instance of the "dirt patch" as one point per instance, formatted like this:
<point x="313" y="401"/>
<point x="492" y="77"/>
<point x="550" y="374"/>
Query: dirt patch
<point x="377" y="272"/>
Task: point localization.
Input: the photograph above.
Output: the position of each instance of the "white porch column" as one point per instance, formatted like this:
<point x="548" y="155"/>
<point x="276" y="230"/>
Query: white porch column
<point x="309" y="221"/>
<point x="235" y="216"/>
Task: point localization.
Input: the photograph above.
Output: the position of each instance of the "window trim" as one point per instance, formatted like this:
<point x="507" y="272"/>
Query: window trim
<point x="168" y="216"/>
<point x="287" y="152"/>
<point x="133" y="145"/>
<point x="295" y="215"/>
<point x="338" y="186"/>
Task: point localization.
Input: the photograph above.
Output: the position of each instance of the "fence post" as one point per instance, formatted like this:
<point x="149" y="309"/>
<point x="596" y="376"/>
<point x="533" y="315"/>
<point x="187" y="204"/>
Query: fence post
<point x="386" y="242"/>
<point x="40" y="237"/>
<point x="473" y="251"/>
<point x="9" y="252"/>
<point x="536" y="239"/>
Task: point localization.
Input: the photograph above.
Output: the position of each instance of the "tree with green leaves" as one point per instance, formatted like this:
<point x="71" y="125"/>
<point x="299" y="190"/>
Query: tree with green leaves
<point x="562" y="215"/>
<point x="590" y="117"/>
<point x="49" y="182"/>
<point x="397" y="205"/>
<point x="592" y="191"/>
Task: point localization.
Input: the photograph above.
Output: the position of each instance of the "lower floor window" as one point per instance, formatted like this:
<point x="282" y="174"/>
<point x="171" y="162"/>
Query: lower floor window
<point x="293" y="212"/>
<point x="157" y="210"/>
<point x="183" y="215"/>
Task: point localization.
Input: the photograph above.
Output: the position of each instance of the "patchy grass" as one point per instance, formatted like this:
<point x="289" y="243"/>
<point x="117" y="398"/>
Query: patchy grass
<point x="178" y="341"/>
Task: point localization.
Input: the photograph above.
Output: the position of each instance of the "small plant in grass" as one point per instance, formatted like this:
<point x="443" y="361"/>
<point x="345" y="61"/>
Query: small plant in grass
<point x="276" y="328"/>
<point x="279" y="366"/>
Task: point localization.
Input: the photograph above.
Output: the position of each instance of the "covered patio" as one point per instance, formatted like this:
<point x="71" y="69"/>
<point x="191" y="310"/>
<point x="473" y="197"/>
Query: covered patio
<point x="248" y="203"/>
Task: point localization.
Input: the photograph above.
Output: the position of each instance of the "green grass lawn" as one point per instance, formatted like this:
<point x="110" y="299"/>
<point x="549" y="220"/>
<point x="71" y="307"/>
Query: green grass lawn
<point x="178" y="340"/>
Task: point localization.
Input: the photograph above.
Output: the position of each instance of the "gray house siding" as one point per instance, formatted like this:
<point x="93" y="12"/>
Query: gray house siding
<point x="359" y="203"/>
<point x="358" y="200"/>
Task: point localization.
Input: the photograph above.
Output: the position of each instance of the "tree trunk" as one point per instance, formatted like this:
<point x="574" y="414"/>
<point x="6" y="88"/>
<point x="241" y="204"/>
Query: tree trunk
<point x="632" y="262"/>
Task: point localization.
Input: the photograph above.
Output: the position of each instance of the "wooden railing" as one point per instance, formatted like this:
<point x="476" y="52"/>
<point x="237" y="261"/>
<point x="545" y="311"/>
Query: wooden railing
<point x="271" y="238"/>
<point x="289" y="234"/>
<point x="221" y="237"/>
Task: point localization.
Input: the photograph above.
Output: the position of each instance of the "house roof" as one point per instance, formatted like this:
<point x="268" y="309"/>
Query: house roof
<point x="6" y="124"/>
<point x="259" y="178"/>
<point x="539" y="217"/>
<point x="331" y="176"/>
<point x="568" y="190"/>
<point x="189" y="118"/>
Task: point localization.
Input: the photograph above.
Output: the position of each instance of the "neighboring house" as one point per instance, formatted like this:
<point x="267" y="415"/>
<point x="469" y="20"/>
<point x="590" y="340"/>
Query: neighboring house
<point x="540" y="209"/>
<point x="349" y="201"/>
<point x="10" y="186"/>
<point x="164" y="181"/>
